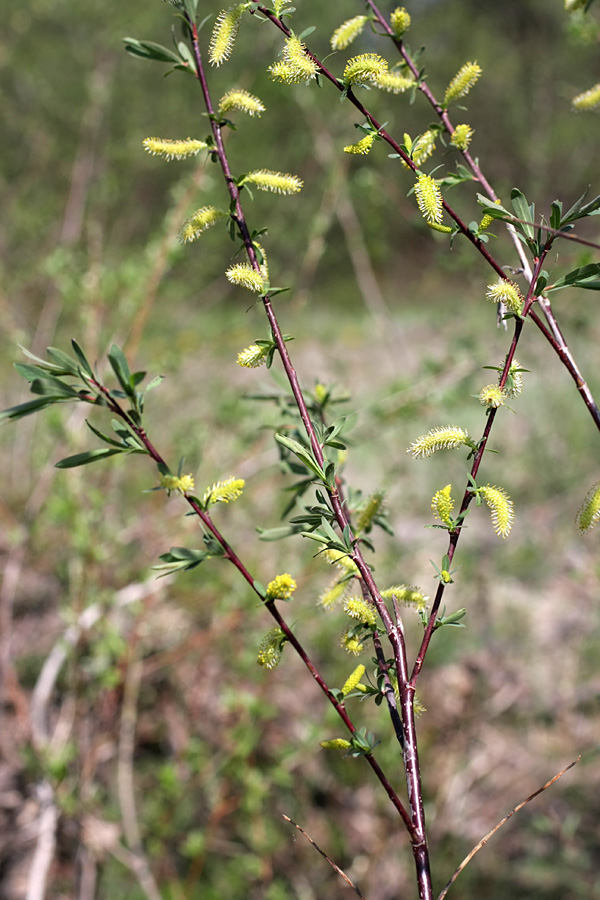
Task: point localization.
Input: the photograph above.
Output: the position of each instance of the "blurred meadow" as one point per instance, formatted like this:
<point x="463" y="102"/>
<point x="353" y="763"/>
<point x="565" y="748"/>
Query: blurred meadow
<point x="159" y="729"/>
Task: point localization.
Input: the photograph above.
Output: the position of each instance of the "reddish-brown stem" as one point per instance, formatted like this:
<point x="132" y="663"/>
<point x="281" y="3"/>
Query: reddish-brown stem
<point x="481" y="446"/>
<point x="554" y="336"/>
<point x="270" y="605"/>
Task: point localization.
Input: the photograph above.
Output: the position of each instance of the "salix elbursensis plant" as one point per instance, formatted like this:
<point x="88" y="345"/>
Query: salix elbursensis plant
<point x="311" y="444"/>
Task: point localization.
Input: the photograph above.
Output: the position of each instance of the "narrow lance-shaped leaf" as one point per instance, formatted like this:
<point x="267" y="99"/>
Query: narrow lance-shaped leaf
<point x="26" y="409"/>
<point x="88" y="456"/>
<point x="302" y="453"/>
<point x="523" y="211"/>
<point x="587" y="277"/>
<point x="62" y="359"/>
<point x="580" y="209"/>
<point x="120" y="367"/>
<point x="83" y="362"/>
<point x="150" y="50"/>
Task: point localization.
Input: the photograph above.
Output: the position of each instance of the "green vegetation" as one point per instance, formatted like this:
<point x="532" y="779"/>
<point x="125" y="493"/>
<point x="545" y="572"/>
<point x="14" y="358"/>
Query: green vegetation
<point x="139" y="700"/>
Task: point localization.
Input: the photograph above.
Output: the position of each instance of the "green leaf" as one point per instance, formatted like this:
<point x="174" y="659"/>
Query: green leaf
<point x="26" y="409"/>
<point x="89" y="456"/>
<point x="82" y="359"/>
<point x="187" y="55"/>
<point x="181" y="559"/>
<point x="541" y="282"/>
<point x="555" y="214"/>
<point x="277" y="534"/>
<point x="150" y="50"/>
<point x="580" y="209"/>
<point x="302" y="453"/>
<point x="120" y="367"/>
<point x="50" y="386"/>
<point x="50" y="367"/>
<point x="104" y="437"/>
<point x="493" y="209"/>
<point x="30" y="373"/>
<point x="523" y="211"/>
<point x="154" y="382"/>
<point x="587" y="277"/>
<point x="66" y="362"/>
<point x="191" y="8"/>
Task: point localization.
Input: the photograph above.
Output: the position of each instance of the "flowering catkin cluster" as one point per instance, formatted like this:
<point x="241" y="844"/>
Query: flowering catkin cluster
<point x="183" y="483"/>
<point x="394" y="82"/>
<point x="506" y="292"/>
<point x="421" y="149"/>
<point x="442" y="438"/>
<point x="242" y="101"/>
<point x="462" y="82"/>
<point x="492" y="396"/>
<point x="461" y="136"/>
<point x="173" y="149"/>
<point x="589" y="513"/>
<point x="501" y="508"/>
<point x="363" y="146"/>
<point x="276" y="182"/>
<point x="442" y="505"/>
<point x="589" y="99"/>
<point x="223" y="491"/>
<point x="353" y="681"/>
<point x="252" y="357"/>
<point x="400" y="20"/>
<point x="406" y="595"/>
<point x="271" y="646"/>
<point x="281" y="588"/>
<point x="225" y="33"/>
<point x="296" y="66"/>
<point x="359" y="609"/>
<point x="199" y="222"/>
<point x="429" y="198"/>
<point x="348" y="31"/>
<point x="367" y="67"/>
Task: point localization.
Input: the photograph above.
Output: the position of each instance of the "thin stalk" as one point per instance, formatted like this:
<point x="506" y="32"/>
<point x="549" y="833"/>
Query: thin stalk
<point x="468" y="494"/>
<point x="557" y="341"/>
<point x="270" y="605"/>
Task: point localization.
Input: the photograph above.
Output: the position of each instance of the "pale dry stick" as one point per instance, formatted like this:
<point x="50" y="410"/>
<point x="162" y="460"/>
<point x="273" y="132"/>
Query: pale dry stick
<point x="84" y="164"/>
<point x="44" y="686"/>
<point x="125" y="779"/>
<point x="324" y="855"/>
<point x="102" y="837"/>
<point x="37" y="878"/>
<point x="493" y="831"/>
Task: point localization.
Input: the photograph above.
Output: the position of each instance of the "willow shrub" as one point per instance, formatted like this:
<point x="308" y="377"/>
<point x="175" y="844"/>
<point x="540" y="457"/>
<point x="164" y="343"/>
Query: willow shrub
<point x="339" y="520"/>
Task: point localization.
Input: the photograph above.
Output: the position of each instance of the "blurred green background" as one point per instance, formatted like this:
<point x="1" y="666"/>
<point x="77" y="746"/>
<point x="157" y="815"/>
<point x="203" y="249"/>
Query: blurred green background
<point x="380" y="307"/>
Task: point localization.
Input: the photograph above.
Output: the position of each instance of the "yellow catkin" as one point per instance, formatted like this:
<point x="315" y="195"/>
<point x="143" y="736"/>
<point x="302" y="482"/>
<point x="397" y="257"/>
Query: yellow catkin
<point x="169" y="149"/>
<point x="589" y="513"/>
<point x="501" y="509"/>
<point x="442" y="438"/>
<point x="462" y="82"/>
<point x="348" y="31"/>
<point x="590" y="99"/>
<point x="429" y="198"/>
<point x="276" y="182"/>
<point x="242" y="101"/>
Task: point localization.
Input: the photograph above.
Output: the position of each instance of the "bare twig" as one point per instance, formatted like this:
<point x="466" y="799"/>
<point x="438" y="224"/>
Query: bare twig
<point x="324" y="855"/>
<point x="37" y="879"/>
<point x="493" y="831"/>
